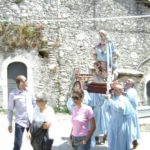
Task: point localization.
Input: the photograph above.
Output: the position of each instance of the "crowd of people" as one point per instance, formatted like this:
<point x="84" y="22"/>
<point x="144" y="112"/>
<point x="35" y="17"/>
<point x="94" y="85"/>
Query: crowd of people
<point x="32" y="114"/>
<point x="113" y="115"/>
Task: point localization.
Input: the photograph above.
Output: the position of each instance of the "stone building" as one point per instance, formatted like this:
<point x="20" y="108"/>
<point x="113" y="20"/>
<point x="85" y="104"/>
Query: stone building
<point x="47" y="39"/>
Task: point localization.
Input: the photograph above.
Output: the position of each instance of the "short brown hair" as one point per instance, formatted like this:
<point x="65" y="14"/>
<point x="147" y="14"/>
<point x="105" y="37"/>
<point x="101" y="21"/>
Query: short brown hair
<point x="78" y="92"/>
<point x="20" y="78"/>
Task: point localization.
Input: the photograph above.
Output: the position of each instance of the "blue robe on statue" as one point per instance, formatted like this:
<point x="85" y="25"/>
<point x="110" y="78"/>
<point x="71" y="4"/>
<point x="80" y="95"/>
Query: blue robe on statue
<point x="102" y="53"/>
<point x="132" y="96"/>
<point x="121" y="112"/>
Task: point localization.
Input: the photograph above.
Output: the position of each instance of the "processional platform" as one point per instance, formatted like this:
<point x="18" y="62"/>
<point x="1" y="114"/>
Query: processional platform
<point x="97" y="87"/>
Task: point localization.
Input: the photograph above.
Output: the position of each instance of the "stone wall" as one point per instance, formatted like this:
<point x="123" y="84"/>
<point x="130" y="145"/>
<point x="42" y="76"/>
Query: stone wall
<point x="72" y="34"/>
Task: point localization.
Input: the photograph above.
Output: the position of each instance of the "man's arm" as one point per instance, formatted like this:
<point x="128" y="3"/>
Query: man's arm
<point x="33" y="101"/>
<point x="10" y="111"/>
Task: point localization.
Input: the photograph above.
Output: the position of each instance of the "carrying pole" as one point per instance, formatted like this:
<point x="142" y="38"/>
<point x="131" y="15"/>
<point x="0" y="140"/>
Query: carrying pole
<point x="73" y="79"/>
<point x="109" y="67"/>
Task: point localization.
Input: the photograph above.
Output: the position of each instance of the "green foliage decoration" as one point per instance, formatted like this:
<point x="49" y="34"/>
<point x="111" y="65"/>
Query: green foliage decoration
<point x="61" y="110"/>
<point x="23" y="36"/>
<point x="18" y="1"/>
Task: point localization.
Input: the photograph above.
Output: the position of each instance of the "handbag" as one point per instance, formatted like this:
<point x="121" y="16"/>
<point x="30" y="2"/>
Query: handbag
<point x="39" y="137"/>
<point x="47" y="142"/>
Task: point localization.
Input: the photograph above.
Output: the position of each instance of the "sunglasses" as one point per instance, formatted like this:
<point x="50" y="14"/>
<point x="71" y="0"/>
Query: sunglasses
<point x="75" y="97"/>
<point x="39" y="101"/>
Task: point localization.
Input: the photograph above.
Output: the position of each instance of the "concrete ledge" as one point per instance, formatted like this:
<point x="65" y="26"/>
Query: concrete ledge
<point x="143" y="111"/>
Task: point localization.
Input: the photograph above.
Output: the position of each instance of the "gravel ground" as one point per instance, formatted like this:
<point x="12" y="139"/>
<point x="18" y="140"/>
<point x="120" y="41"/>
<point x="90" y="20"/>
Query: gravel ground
<point x="63" y="127"/>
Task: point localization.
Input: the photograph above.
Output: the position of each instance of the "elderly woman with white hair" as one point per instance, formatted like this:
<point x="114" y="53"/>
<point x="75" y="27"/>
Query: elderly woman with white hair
<point x="43" y="119"/>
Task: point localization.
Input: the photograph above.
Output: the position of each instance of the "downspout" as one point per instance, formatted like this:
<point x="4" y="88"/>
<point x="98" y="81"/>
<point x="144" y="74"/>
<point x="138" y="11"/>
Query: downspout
<point x="145" y="60"/>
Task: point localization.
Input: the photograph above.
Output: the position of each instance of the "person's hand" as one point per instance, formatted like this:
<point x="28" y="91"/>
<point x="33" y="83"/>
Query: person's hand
<point x="108" y="96"/>
<point x="10" y="129"/>
<point x="46" y="125"/>
<point x="83" y="142"/>
<point x="28" y="135"/>
<point x="70" y="140"/>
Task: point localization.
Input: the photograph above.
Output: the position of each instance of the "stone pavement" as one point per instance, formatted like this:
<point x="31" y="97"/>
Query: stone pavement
<point x="63" y="127"/>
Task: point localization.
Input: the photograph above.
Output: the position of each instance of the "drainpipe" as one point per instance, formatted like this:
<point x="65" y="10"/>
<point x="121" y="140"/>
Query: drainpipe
<point x="145" y="60"/>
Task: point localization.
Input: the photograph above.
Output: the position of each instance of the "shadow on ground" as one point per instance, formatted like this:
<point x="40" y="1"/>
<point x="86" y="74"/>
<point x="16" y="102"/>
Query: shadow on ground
<point x="66" y="146"/>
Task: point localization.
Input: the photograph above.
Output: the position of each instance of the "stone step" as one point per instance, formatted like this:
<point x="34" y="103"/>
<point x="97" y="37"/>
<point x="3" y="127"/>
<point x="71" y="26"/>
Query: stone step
<point x="144" y="111"/>
<point x="52" y="59"/>
<point x="52" y="54"/>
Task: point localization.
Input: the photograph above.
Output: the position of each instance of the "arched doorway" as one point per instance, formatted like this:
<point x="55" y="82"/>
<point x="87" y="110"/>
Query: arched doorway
<point x="18" y="65"/>
<point x="148" y="92"/>
<point x="14" y="69"/>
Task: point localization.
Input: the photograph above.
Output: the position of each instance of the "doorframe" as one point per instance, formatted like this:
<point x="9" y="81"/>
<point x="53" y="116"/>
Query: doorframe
<point x="4" y="71"/>
<point x="147" y="79"/>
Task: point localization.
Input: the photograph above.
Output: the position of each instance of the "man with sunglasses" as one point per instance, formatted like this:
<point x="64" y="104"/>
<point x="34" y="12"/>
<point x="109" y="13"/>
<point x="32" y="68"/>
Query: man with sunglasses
<point x="22" y="101"/>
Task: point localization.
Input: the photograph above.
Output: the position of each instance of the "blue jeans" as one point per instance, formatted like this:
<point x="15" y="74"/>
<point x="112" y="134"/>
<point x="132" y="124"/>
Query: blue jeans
<point x="19" y="130"/>
<point x="77" y="146"/>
